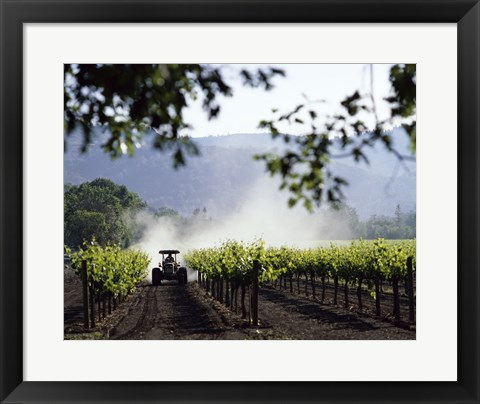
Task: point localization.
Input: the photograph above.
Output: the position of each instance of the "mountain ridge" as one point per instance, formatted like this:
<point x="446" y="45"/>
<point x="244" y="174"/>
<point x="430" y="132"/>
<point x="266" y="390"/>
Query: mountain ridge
<point x="225" y="172"/>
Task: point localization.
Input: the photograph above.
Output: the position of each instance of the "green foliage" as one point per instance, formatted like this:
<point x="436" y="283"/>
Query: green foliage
<point x="304" y="167"/>
<point x="132" y="100"/>
<point x="102" y="210"/>
<point x="232" y="260"/>
<point x="82" y="224"/>
<point x="402" y="226"/>
<point x="166" y="212"/>
<point x="360" y="260"/>
<point x="110" y="269"/>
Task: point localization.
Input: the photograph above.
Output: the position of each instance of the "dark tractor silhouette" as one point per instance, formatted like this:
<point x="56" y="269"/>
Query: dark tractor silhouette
<point x="169" y="269"/>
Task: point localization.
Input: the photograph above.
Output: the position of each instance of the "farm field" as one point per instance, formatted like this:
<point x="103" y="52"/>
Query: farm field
<point x="172" y="312"/>
<point x="289" y="221"/>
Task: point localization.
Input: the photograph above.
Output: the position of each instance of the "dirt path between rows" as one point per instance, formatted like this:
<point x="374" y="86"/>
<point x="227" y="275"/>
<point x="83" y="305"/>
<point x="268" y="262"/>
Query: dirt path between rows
<point x="298" y="317"/>
<point x="72" y="298"/>
<point x="171" y="311"/>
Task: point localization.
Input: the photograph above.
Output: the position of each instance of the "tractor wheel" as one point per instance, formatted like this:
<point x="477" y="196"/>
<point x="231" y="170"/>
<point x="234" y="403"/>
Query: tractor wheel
<point x="182" y="276"/>
<point x="156" y="277"/>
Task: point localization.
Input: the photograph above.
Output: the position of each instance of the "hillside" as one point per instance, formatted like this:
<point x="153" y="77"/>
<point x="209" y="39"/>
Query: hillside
<point x="222" y="178"/>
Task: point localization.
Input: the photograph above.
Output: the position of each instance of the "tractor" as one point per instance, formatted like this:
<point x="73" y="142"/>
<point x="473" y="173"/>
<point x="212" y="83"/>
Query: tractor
<point x="169" y="269"/>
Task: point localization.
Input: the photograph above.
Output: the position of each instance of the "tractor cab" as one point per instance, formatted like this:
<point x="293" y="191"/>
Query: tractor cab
<point x="169" y="261"/>
<point x="169" y="269"/>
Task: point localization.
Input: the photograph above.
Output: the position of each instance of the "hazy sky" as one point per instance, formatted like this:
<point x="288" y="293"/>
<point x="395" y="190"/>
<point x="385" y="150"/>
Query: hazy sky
<point x="330" y="82"/>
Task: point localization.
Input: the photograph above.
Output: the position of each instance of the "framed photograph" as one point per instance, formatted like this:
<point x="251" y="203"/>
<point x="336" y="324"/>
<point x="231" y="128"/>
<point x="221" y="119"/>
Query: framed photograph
<point x="228" y="290"/>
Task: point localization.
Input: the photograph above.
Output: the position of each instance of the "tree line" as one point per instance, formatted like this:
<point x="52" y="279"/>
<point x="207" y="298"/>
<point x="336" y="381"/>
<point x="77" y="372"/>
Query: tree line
<point x="102" y="210"/>
<point x="107" y="211"/>
<point x="399" y="226"/>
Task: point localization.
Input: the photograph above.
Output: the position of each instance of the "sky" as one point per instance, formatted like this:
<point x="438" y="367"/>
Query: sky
<point x="328" y="82"/>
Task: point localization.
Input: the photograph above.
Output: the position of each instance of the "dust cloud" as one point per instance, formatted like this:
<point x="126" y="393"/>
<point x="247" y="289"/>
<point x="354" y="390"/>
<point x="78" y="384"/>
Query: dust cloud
<point x="263" y="213"/>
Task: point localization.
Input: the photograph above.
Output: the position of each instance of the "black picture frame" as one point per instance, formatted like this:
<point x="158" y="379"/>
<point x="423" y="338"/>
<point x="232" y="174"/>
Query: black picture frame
<point x="14" y="13"/>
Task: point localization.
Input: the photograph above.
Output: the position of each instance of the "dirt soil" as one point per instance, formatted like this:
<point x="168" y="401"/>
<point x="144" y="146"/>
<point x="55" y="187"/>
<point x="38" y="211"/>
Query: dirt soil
<point x="72" y="298"/>
<point x="171" y="312"/>
<point x="299" y="317"/>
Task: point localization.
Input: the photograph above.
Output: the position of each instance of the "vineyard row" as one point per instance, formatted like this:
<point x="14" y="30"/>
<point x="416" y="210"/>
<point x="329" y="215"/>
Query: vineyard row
<point x="108" y="274"/>
<point x="230" y="268"/>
